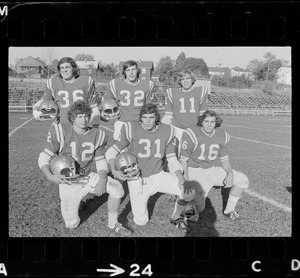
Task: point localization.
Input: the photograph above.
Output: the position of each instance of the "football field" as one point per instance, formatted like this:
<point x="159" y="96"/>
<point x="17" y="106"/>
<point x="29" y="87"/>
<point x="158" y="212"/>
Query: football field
<point x="260" y="147"/>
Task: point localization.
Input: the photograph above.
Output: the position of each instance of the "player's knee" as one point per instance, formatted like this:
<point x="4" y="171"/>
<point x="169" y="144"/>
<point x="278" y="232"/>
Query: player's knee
<point x="244" y="182"/>
<point x="115" y="189"/>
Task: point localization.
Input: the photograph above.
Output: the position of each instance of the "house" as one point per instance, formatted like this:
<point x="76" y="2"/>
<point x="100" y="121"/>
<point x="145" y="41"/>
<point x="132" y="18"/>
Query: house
<point x="145" y="66"/>
<point x="31" y="67"/>
<point x="237" y="71"/>
<point x="88" y="67"/>
<point x="217" y="71"/>
<point x="284" y="75"/>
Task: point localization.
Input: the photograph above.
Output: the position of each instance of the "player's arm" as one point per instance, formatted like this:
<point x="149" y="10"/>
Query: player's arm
<point x="101" y="163"/>
<point x="52" y="148"/>
<point x="149" y="92"/>
<point x="167" y="119"/>
<point x="187" y="147"/>
<point x="174" y="165"/>
<point x="112" y="91"/>
<point x="228" y="181"/>
<point x="203" y="101"/>
<point x="224" y="157"/>
<point x="115" y="149"/>
<point x="46" y="96"/>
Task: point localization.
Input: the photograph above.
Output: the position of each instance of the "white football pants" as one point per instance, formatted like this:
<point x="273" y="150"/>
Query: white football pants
<point x="71" y="195"/>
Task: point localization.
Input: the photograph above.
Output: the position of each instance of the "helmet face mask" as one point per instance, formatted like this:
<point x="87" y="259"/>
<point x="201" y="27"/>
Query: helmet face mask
<point x="127" y="164"/>
<point x="109" y="109"/>
<point x="50" y="110"/>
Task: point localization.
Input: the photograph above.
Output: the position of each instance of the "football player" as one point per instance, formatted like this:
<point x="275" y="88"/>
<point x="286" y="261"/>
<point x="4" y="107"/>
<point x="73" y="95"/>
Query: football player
<point x="185" y="104"/>
<point x="151" y="142"/>
<point x="203" y="146"/>
<point x="84" y="144"/>
<point x="130" y="92"/>
<point x="66" y="88"/>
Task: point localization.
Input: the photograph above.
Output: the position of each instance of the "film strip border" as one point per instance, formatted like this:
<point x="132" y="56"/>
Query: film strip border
<point x="151" y="23"/>
<point x="158" y="257"/>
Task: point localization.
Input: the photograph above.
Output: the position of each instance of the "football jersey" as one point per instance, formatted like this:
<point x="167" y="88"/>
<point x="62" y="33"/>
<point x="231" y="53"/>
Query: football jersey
<point x="185" y="105"/>
<point x="62" y="139"/>
<point x="203" y="150"/>
<point x="66" y="93"/>
<point x="108" y="127"/>
<point x="150" y="148"/>
<point x="131" y="97"/>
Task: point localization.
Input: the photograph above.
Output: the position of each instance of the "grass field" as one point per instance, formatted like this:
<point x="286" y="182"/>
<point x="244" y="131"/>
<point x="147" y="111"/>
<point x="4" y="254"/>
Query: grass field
<point x="260" y="147"/>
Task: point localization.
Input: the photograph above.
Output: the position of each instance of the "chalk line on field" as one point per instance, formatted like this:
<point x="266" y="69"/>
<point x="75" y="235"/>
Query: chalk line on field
<point x="255" y="141"/>
<point x="268" y="200"/>
<point x="12" y="132"/>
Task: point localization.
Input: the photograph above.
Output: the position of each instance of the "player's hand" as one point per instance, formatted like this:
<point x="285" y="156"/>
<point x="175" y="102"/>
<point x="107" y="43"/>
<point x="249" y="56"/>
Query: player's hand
<point x="57" y="179"/>
<point x="118" y="175"/>
<point x="100" y="187"/>
<point x="228" y="181"/>
<point x="186" y="187"/>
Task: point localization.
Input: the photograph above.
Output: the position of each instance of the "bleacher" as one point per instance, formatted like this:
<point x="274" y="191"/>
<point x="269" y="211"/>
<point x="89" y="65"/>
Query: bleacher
<point x="255" y="103"/>
<point x="225" y="102"/>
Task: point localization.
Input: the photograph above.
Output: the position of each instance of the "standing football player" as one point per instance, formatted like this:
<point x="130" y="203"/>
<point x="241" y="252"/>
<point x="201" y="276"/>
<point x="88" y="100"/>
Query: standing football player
<point x="84" y="144"/>
<point x="130" y="92"/>
<point x="203" y="147"/>
<point x="183" y="106"/>
<point x="66" y="88"/>
<point x="150" y="142"/>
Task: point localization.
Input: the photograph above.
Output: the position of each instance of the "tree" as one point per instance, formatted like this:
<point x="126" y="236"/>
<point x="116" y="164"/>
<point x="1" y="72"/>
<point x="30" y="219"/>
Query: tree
<point x="179" y="62"/>
<point x="83" y="57"/>
<point x="197" y="66"/>
<point x="165" y="70"/>
<point x="266" y="69"/>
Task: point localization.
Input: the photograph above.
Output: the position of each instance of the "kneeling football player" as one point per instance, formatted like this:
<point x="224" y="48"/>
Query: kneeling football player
<point x="81" y="144"/>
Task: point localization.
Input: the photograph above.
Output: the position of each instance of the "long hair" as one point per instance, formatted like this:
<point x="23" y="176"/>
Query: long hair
<point x="210" y="113"/>
<point x="128" y="64"/>
<point x="150" y="108"/>
<point x="79" y="107"/>
<point x="184" y="73"/>
<point x="76" y="71"/>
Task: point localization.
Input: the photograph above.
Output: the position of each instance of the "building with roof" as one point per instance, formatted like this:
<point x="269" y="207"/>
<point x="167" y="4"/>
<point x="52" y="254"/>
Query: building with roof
<point x="88" y="67"/>
<point x="284" y="75"/>
<point x="146" y="67"/>
<point x="31" y="67"/>
<point x="237" y="71"/>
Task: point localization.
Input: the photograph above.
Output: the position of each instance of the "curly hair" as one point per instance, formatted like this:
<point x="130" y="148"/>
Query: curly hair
<point x="76" y="71"/>
<point x="79" y="107"/>
<point x="150" y="108"/>
<point x="128" y="64"/>
<point x="184" y="73"/>
<point x="210" y="113"/>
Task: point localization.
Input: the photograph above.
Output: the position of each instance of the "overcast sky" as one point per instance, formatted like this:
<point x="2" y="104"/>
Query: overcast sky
<point x="213" y="56"/>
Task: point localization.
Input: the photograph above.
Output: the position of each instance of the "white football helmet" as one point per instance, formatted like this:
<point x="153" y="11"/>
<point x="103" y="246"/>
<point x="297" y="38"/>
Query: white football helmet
<point x="49" y="109"/>
<point x="63" y="165"/>
<point x="109" y="109"/>
<point x="127" y="163"/>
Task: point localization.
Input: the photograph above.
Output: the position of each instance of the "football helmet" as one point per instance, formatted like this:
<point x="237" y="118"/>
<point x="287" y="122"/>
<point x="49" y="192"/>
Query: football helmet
<point x="49" y="109"/>
<point x="109" y="109"/>
<point x="63" y="165"/>
<point x="127" y="163"/>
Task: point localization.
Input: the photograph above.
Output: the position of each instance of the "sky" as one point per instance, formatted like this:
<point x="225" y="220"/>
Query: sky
<point x="213" y="56"/>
